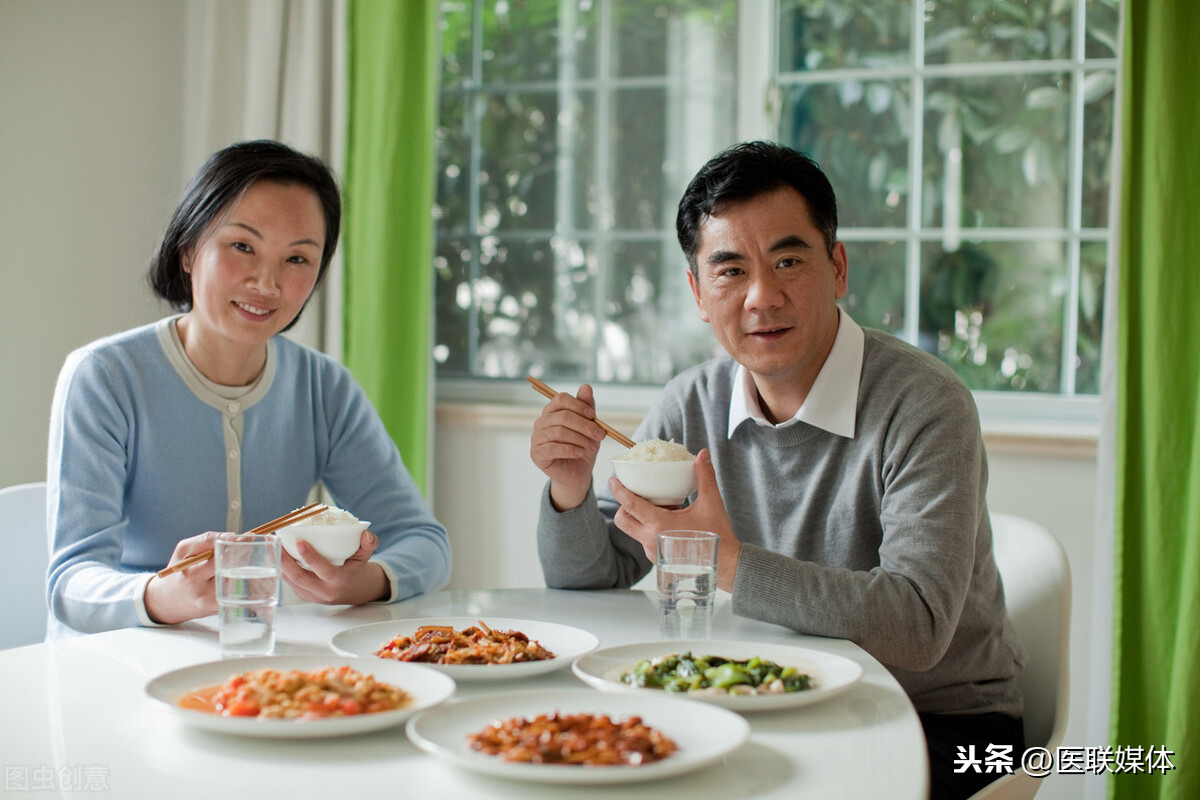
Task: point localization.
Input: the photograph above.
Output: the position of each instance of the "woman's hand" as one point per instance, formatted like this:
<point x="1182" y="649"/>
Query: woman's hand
<point x="190" y="593"/>
<point x="356" y="582"/>
<point x="564" y="445"/>
<point x="643" y="520"/>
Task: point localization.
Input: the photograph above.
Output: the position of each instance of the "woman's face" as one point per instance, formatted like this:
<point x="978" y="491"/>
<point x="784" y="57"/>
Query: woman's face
<point x="255" y="267"/>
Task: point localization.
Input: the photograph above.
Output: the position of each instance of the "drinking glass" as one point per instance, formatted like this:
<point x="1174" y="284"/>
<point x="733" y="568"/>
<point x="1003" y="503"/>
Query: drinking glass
<point x="687" y="583"/>
<point x="248" y="575"/>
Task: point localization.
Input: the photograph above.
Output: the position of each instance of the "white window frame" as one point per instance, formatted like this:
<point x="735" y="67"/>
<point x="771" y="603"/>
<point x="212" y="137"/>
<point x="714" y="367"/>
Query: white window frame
<point x="758" y="107"/>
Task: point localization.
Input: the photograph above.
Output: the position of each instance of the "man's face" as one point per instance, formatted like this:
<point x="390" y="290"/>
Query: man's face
<point x="768" y="287"/>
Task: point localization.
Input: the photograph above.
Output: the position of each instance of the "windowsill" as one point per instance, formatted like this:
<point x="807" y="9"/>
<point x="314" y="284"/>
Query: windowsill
<point x="1041" y="439"/>
<point x="516" y="408"/>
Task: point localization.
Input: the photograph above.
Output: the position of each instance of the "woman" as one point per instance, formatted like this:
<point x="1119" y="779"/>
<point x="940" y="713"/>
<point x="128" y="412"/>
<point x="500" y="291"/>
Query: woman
<point x="210" y="421"/>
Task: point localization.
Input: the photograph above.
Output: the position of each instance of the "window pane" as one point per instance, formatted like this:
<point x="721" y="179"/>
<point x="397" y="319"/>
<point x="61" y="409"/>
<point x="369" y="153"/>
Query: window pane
<point x="456" y="27"/>
<point x="1098" y="109"/>
<point x="568" y="129"/>
<point x="1093" y="258"/>
<point x="582" y="205"/>
<point x="1102" y="19"/>
<point x="649" y="36"/>
<point x="996" y="151"/>
<point x="966" y="31"/>
<point x="875" y="291"/>
<point x="535" y="307"/>
<point x="652" y="329"/>
<point x="521" y="39"/>
<point x="518" y="135"/>
<point x="865" y="33"/>
<point x="453" y="137"/>
<point x="994" y="312"/>
<point x="857" y="132"/>
<point x="639" y="150"/>
<point x="452" y="305"/>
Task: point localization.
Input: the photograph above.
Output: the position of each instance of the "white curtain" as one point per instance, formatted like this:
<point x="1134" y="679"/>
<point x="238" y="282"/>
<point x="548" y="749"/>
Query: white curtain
<point x="1101" y="647"/>
<point x="271" y="69"/>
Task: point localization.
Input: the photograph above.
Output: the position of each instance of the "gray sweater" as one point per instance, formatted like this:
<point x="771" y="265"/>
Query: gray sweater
<point x="882" y="539"/>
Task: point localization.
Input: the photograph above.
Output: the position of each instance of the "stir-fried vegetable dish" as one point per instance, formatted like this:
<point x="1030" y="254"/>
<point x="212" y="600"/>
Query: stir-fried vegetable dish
<point x="685" y="672"/>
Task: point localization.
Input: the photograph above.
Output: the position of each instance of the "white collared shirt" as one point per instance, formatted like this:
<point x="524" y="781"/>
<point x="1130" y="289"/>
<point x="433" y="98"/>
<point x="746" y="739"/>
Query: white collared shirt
<point x="832" y="401"/>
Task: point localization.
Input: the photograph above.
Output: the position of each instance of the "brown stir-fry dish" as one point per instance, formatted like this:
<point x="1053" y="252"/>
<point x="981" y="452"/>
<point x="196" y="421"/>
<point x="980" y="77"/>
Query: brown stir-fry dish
<point x="441" y="644"/>
<point x="586" y="740"/>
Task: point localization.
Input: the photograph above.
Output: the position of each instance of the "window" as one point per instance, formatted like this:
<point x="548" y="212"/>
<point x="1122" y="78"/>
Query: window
<point x="969" y="142"/>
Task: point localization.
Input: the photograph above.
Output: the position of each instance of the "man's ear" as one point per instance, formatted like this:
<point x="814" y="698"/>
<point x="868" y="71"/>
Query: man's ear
<point x="841" y="270"/>
<point x="694" y="282"/>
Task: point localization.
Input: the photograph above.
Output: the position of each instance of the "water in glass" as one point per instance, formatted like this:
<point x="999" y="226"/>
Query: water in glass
<point x="685" y="599"/>
<point x="247" y="597"/>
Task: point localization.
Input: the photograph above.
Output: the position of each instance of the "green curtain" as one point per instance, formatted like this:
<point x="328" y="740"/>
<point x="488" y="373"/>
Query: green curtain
<point x="1156" y="634"/>
<point x="392" y="77"/>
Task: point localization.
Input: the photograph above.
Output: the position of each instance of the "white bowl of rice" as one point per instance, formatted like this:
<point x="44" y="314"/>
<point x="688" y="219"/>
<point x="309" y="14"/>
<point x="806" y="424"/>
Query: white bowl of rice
<point x="660" y="471"/>
<point x="334" y="533"/>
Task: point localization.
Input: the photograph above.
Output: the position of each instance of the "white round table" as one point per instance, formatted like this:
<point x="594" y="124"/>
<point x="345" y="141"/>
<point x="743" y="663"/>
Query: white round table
<point x="76" y="720"/>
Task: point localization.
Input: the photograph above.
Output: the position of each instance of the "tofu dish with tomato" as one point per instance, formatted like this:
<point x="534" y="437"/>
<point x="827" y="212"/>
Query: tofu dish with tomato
<point x="298" y="694"/>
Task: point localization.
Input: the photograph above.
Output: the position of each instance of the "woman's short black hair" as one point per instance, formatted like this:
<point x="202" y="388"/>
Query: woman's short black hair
<point x="745" y="171"/>
<point x="218" y="183"/>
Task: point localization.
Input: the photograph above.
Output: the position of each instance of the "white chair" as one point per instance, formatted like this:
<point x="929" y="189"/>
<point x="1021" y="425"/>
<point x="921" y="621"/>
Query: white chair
<point x="27" y="552"/>
<point x="1037" y="590"/>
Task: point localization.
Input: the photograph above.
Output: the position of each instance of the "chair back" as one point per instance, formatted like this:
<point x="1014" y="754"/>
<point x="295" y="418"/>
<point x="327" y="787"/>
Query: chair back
<point x="1037" y="591"/>
<point x="27" y="553"/>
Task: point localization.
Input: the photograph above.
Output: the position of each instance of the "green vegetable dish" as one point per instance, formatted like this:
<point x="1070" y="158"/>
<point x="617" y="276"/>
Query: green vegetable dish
<point x="713" y="674"/>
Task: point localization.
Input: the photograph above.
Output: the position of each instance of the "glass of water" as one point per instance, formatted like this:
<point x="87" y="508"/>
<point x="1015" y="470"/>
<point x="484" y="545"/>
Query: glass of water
<point x="247" y="593"/>
<point x="687" y="583"/>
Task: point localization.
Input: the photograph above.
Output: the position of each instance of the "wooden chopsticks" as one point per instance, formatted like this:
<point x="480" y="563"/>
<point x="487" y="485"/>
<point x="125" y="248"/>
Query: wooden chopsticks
<point x="611" y="431"/>
<point x="289" y="518"/>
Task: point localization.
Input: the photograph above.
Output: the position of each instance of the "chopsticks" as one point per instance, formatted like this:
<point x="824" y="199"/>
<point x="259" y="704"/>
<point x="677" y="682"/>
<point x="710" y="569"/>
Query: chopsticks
<point x="611" y="431"/>
<point x="289" y="518"/>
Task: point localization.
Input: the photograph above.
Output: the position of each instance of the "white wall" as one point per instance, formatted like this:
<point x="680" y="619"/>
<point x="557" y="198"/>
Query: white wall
<point x="91" y="142"/>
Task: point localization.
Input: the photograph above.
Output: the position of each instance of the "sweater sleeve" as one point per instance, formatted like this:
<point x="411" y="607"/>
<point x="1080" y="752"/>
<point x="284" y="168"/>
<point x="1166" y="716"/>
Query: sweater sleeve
<point x="582" y="549"/>
<point x="90" y="426"/>
<point x="905" y="611"/>
<point x="365" y="472"/>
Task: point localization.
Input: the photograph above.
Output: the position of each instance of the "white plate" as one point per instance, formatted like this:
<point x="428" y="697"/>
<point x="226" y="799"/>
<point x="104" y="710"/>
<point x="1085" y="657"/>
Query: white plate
<point x="703" y="733"/>
<point x="831" y="673"/>
<point x="427" y="687"/>
<point x="565" y="642"/>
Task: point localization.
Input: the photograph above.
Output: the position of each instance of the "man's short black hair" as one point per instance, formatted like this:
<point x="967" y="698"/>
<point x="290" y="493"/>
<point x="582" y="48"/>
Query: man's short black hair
<point x="745" y="171"/>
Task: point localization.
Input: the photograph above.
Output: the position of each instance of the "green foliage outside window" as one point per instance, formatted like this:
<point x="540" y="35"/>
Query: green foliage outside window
<point x="568" y="129"/>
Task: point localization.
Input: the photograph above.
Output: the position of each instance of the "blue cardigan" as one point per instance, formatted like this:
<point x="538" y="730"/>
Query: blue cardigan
<point x="142" y="454"/>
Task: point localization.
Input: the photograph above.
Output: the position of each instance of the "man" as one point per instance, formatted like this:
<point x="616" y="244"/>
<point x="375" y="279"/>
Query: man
<point x="843" y="469"/>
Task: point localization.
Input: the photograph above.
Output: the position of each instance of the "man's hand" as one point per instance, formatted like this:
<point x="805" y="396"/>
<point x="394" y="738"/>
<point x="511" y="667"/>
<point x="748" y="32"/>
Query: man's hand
<point x="564" y="445"/>
<point x="643" y="520"/>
